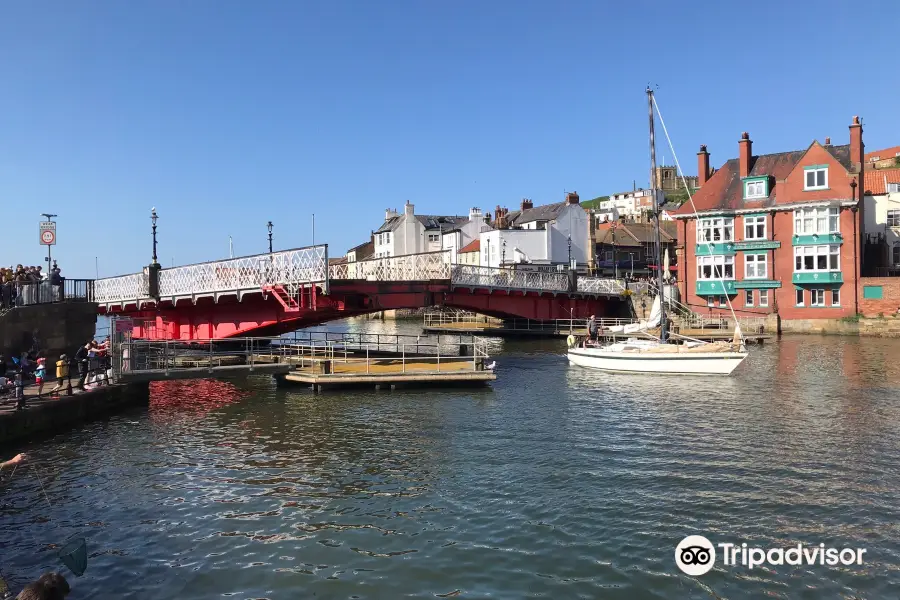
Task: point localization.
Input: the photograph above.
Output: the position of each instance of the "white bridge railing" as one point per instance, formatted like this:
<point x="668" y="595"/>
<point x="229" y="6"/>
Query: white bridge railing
<point x="121" y="289"/>
<point x="600" y="285"/>
<point x="512" y="279"/>
<point x="247" y="273"/>
<point x="408" y="267"/>
<point x="301" y="266"/>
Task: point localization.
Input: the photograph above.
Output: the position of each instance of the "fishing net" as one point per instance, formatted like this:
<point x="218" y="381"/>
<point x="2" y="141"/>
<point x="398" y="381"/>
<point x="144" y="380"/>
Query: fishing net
<point x="73" y="554"/>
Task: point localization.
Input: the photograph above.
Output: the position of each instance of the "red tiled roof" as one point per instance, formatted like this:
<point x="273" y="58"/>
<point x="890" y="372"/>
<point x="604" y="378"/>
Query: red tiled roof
<point x="876" y="179"/>
<point x="471" y="247"/>
<point x="882" y="154"/>
<point x="724" y="190"/>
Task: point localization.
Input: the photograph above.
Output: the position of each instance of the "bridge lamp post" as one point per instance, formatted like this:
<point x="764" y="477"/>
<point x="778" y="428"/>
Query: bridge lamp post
<point x="153" y="218"/>
<point x="570" y="251"/>
<point x="269" y="225"/>
<point x="503" y="254"/>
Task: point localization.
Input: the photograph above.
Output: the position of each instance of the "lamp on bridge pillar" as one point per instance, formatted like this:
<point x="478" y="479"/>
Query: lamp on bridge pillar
<point x="503" y="254"/>
<point x="154" y="268"/>
<point x="269" y="225"/>
<point x="153" y="218"/>
<point x="570" y="251"/>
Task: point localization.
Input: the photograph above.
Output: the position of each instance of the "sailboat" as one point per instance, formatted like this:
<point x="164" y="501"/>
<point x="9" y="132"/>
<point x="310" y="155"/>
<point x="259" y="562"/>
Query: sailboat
<point x="662" y="355"/>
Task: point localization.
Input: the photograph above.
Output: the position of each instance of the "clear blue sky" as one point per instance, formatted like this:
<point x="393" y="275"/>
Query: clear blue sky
<point x="225" y="114"/>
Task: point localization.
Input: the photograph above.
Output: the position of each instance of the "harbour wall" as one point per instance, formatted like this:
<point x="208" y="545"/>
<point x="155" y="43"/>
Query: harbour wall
<point x="49" y="328"/>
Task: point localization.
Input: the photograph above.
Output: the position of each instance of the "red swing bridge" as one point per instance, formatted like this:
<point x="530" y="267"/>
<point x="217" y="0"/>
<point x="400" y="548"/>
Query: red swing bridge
<point x="275" y="293"/>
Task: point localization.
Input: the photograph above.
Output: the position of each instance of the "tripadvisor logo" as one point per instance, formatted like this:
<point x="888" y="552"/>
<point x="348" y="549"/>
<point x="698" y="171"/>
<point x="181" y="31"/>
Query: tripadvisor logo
<point x="696" y="555"/>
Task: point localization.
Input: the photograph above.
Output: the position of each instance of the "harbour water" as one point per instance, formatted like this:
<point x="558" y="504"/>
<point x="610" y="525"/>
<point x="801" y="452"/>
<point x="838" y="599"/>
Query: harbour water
<point x="555" y="482"/>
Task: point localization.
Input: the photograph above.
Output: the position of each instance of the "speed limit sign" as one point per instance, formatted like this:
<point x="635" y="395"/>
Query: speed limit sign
<point x="48" y="233"/>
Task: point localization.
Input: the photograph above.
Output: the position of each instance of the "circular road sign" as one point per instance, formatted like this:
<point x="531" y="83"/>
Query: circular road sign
<point x="48" y="236"/>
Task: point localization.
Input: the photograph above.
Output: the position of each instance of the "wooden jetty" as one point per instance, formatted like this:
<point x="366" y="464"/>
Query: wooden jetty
<point x="553" y="330"/>
<point x="384" y="372"/>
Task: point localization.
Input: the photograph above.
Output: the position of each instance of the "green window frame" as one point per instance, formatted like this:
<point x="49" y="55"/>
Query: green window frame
<point x="756" y="188"/>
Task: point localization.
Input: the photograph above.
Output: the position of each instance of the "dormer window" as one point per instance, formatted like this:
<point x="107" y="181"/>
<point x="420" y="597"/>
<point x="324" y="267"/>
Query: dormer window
<point x="816" y="177"/>
<point x="756" y="187"/>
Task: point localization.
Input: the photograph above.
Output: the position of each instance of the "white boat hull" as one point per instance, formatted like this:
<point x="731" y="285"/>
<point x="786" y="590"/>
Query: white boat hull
<point x="694" y="363"/>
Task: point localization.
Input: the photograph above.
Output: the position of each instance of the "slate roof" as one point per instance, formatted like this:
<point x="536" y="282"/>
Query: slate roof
<point x="441" y="222"/>
<point x="619" y="236"/>
<point x="471" y="247"/>
<point x="725" y="190"/>
<point x="430" y="222"/>
<point x="547" y="212"/>
<point x="876" y="178"/>
<point x="389" y="225"/>
<point x="639" y="233"/>
<point x="364" y="250"/>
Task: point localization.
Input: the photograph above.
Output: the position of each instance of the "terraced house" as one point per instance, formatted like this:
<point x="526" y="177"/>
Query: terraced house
<point x="776" y="233"/>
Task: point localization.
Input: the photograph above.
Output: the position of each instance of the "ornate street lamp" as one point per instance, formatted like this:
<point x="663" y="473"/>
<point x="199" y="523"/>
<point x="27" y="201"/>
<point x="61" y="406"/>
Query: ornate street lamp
<point x="153" y="218"/>
<point x="269" y="225"/>
<point x="503" y="254"/>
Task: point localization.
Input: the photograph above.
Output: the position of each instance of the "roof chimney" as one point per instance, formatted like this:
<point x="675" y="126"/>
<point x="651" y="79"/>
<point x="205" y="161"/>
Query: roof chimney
<point x="856" y="144"/>
<point x="409" y="209"/>
<point x="526" y="204"/>
<point x="572" y="198"/>
<point x="702" y="165"/>
<point x="827" y="141"/>
<point x="746" y="149"/>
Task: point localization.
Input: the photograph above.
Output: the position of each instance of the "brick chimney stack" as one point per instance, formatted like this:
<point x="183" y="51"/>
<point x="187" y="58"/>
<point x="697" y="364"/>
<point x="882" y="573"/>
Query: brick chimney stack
<point x="746" y="148"/>
<point x="857" y="150"/>
<point x="572" y="198"/>
<point x="526" y="204"/>
<point x="827" y="141"/>
<point x="702" y="165"/>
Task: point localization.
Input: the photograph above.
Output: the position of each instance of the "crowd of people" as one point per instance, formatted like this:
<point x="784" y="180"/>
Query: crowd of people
<point x="90" y="362"/>
<point x="29" y="285"/>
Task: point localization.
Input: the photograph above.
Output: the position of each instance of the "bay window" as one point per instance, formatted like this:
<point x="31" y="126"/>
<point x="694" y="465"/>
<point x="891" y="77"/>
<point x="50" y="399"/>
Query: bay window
<point x="715" y="229"/>
<point x="819" y="220"/>
<point x="817" y="258"/>
<point x="715" y="267"/>
<point x="755" y="266"/>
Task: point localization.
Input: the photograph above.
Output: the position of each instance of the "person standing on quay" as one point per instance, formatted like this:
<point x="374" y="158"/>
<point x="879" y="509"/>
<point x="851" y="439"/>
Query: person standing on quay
<point x="40" y="374"/>
<point x="62" y="373"/>
<point x="82" y="358"/>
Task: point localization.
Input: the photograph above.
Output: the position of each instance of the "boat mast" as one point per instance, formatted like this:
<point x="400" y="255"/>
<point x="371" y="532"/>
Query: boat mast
<point x="663" y="321"/>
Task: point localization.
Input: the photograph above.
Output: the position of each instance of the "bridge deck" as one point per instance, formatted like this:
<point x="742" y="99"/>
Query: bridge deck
<point x="293" y="271"/>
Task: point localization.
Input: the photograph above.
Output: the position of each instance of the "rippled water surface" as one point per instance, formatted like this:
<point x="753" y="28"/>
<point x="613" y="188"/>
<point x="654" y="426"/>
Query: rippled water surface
<point x="556" y="482"/>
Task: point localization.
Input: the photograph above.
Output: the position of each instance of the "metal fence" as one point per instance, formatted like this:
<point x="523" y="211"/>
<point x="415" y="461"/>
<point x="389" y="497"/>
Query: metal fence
<point x="233" y="275"/>
<point x="406" y="267"/>
<point x="439" y="319"/>
<point x="510" y="279"/>
<point x="43" y="292"/>
<point x="409" y="358"/>
<point x="136" y="357"/>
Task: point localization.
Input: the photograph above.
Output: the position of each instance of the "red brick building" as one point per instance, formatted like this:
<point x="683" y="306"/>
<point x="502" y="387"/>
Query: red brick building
<point x="778" y="233"/>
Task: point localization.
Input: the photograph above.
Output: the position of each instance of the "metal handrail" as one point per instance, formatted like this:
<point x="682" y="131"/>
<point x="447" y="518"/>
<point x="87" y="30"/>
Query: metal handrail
<point x="137" y="356"/>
